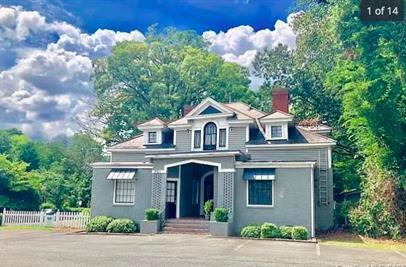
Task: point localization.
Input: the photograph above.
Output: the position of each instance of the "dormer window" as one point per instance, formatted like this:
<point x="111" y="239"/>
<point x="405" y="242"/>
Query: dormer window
<point x="152" y="137"/>
<point x="276" y="131"/>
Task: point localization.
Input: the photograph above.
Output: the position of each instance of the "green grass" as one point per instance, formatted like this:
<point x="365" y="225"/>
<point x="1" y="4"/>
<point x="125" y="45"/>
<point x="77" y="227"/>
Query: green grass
<point x="25" y="228"/>
<point x="345" y="239"/>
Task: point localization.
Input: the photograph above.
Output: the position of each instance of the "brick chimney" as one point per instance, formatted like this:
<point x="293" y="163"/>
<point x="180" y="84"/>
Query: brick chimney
<point x="187" y="109"/>
<point x="280" y="100"/>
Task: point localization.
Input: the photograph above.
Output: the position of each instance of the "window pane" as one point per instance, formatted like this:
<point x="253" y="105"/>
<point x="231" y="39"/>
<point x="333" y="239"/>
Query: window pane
<point x="260" y="192"/>
<point x="210" y="135"/>
<point x="125" y="191"/>
<point x="151" y="137"/>
<point x="223" y="137"/>
<point x="276" y="131"/>
<point x="197" y="139"/>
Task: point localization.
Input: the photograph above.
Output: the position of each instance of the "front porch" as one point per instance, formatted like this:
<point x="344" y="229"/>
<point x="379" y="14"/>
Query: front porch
<point x="180" y="190"/>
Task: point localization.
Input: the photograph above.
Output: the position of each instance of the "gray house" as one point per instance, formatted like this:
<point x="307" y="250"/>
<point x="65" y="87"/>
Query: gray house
<point x="262" y="167"/>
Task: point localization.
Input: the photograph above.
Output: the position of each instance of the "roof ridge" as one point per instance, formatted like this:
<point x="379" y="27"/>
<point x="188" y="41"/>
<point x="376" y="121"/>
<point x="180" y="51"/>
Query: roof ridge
<point x="129" y="139"/>
<point x="314" y="133"/>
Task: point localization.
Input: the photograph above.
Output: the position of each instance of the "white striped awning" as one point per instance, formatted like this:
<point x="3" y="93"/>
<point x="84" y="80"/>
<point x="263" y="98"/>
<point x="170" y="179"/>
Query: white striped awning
<point x="121" y="174"/>
<point x="259" y="174"/>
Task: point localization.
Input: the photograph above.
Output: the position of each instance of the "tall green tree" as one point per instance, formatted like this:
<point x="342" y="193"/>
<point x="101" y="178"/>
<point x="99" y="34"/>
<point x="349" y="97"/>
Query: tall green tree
<point x="142" y="80"/>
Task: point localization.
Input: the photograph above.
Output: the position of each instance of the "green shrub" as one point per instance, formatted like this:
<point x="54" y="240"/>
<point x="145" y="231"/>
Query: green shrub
<point x="251" y="230"/>
<point x="122" y="226"/>
<point x="47" y="205"/>
<point x="208" y="207"/>
<point x="1" y="218"/>
<point x="270" y="230"/>
<point x="98" y="224"/>
<point x="286" y="232"/>
<point x="299" y="233"/>
<point x="342" y="211"/>
<point x="152" y="214"/>
<point x="221" y="215"/>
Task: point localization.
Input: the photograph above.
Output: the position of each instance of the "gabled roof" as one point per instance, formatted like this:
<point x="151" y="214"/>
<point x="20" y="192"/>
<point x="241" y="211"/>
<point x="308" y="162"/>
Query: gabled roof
<point x="134" y="143"/>
<point x="245" y="109"/>
<point x="157" y="122"/>
<point x="206" y="103"/>
<point x="277" y="115"/>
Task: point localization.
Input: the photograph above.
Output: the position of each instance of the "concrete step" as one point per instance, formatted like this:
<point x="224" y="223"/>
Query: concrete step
<point x="173" y="230"/>
<point x="187" y="221"/>
<point x="185" y="225"/>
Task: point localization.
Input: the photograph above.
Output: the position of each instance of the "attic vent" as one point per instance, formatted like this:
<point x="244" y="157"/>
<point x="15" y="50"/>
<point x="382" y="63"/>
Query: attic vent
<point x="210" y="110"/>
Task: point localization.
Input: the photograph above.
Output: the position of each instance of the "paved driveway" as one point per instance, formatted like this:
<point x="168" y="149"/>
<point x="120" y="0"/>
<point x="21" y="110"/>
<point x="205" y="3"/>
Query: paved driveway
<point x="24" y="248"/>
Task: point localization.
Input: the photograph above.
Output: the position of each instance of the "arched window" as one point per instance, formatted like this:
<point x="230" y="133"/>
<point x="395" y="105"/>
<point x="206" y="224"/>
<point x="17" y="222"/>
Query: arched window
<point x="210" y="136"/>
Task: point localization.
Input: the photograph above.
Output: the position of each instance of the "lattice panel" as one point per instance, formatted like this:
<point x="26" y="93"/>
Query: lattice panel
<point x="228" y="194"/>
<point x="156" y="196"/>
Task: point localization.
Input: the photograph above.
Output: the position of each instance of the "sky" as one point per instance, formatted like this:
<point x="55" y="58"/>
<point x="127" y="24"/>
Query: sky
<point x="46" y="48"/>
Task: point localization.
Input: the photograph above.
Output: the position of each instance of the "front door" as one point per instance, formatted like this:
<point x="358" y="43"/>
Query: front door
<point x="171" y="198"/>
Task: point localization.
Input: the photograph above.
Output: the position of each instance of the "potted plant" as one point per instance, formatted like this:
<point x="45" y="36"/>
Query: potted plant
<point x="221" y="226"/>
<point x="208" y="208"/>
<point x="151" y="223"/>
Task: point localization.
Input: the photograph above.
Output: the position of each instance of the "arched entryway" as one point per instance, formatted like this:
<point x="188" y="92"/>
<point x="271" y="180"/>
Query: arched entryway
<point x="206" y="189"/>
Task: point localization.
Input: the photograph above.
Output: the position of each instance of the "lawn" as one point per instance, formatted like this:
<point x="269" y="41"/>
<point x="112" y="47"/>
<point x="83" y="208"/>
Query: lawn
<point x="24" y="228"/>
<point x="346" y="239"/>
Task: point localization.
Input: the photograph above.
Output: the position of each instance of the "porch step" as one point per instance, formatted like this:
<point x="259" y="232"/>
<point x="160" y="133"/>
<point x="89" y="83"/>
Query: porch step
<point x="187" y="226"/>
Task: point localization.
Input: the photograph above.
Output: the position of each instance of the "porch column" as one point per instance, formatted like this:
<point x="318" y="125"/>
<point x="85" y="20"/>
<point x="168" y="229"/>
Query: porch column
<point x="225" y="189"/>
<point x="158" y="190"/>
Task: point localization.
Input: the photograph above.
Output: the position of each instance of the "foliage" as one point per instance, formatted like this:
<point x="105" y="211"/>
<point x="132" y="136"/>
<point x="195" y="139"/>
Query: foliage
<point x="121" y="226"/>
<point x="152" y="214"/>
<point x="98" y="224"/>
<point x="142" y="80"/>
<point x="208" y="207"/>
<point x="286" y="231"/>
<point x="46" y="205"/>
<point x="342" y="211"/>
<point x="270" y="230"/>
<point x="299" y="233"/>
<point x="221" y="215"/>
<point x="251" y="231"/>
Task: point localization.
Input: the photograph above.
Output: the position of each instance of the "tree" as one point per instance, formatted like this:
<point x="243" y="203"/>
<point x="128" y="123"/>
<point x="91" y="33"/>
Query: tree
<point x="142" y="80"/>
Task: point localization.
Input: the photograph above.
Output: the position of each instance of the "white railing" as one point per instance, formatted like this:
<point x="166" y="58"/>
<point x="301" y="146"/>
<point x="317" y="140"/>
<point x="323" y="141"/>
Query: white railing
<point x="59" y="219"/>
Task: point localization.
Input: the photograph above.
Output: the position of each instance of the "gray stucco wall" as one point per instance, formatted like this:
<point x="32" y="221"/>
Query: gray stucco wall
<point x="128" y="157"/>
<point x="237" y="137"/>
<point x="102" y="196"/>
<point x="324" y="213"/>
<point x="292" y="201"/>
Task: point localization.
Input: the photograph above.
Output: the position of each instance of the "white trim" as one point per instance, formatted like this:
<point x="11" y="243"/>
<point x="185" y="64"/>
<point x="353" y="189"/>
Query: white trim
<point x="203" y="162"/>
<point x="292" y="164"/>
<point x="136" y="150"/>
<point x="247" y="134"/>
<point x="195" y="155"/>
<point x="121" y="165"/>
<point x="312" y="201"/>
<point x="276" y="120"/>
<point x="292" y="146"/>
<point x="202" y="179"/>
<point x="241" y="122"/>
<point x="180" y="126"/>
<point x="174" y="138"/>
<point x="177" y="180"/>
<point x="114" y="195"/>
<point x="151" y="127"/>
<point x="158" y="171"/>
<point x="202" y="133"/>
<point x="329" y="157"/>
<point x="204" y="104"/>
<point x="210" y="116"/>
<point x="158" y="139"/>
<point x="261" y="206"/>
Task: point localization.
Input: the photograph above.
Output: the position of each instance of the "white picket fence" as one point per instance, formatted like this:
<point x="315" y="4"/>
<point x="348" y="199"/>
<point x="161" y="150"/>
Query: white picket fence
<point x="59" y="219"/>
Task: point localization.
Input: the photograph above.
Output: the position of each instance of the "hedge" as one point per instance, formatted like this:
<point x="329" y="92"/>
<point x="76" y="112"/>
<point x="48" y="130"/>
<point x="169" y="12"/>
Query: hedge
<point x="122" y="226"/>
<point x="270" y="230"/>
<point x="221" y="215"/>
<point x="299" y="233"/>
<point x="251" y="230"/>
<point x="98" y="224"/>
<point x="152" y="214"/>
<point x="286" y="232"/>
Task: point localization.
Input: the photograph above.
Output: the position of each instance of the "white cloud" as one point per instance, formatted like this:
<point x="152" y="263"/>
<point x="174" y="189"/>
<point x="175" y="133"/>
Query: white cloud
<point x="46" y="82"/>
<point x="240" y="44"/>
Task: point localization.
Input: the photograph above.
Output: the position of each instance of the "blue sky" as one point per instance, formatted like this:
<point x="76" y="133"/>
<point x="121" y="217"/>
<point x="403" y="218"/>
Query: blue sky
<point x="47" y="48"/>
<point x="126" y="15"/>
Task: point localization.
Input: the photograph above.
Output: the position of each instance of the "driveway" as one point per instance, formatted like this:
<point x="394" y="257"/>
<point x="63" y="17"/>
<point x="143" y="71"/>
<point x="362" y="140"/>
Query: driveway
<point x="26" y="248"/>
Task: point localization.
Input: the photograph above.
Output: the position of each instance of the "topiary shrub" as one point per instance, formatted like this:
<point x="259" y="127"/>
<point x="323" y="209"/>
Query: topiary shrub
<point x="299" y="233"/>
<point x="251" y="230"/>
<point x="221" y="215"/>
<point x="98" y="224"/>
<point x="47" y="205"/>
<point x="270" y="230"/>
<point x="286" y="232"/>
<point x="152" y="214"/>
<point x="122" y="226"/>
